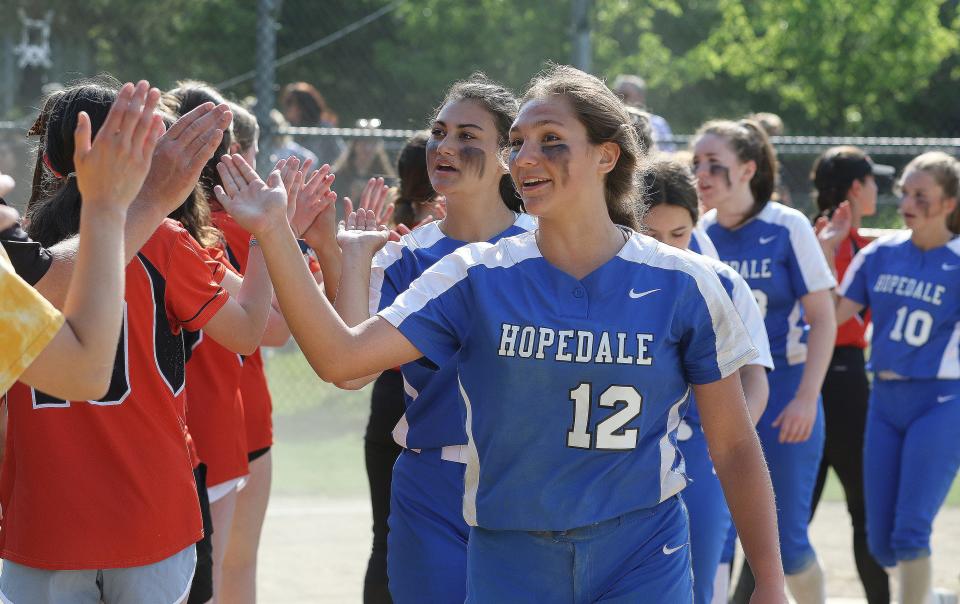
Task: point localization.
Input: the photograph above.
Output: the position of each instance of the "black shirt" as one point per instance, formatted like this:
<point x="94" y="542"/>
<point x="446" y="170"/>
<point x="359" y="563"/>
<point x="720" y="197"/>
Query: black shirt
<point x="30" y="259"/>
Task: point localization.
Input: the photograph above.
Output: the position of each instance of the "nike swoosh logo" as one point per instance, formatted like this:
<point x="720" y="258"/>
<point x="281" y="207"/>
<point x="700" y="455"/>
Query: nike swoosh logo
<point x="950" y="267"/>
<point x="669" y="550"/>
<point x="943" y="399"/>
<point x="766" y="240"/>
<point x="636" y="295"/>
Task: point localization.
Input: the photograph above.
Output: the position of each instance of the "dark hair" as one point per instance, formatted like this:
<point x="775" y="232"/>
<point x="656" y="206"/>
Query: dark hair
<point x="245" y="126"/>
<point x="945" y="170"/>
<point x="834" y="172"/>
<point x="53" y="212"/>
<point x="606" y="120"/>
<point x="669" y="181"/>
<point x="502" y="105"/>
<point x="749" y="143"/>
<point x="314" y="110"/>
<point x="415" y="184"/>
<point x="194" y="213"/>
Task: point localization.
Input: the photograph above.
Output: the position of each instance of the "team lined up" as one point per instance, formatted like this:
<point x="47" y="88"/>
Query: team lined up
<point x="530" y="443"/>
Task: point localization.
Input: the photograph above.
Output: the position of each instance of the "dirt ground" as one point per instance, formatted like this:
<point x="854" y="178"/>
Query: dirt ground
<point x="315" y="550"/>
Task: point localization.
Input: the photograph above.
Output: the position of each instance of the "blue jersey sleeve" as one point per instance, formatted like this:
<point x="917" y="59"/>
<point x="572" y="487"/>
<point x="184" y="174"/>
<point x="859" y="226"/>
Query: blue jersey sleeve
<point x="384" y="281"/>
<point x="807" y="266"/>
<point x="854" y="284"/>
<point x="434" y="312"/>
<point x="713" y="340"/>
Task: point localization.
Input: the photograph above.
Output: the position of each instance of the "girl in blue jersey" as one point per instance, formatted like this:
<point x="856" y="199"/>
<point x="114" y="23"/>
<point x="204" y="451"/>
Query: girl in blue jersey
<point x="671" y="211"/>
<point x="910" y="282"/>
<point x="427" y="541"/>
<point x="775" y="249"/>
<point x="575" y="347"/>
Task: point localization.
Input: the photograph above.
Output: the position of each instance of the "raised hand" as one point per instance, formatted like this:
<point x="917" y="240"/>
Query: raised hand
<point x="257" y="206"/>
<point x="315" y="205"/>
<point x="181" y="154"/>
<point x="833" y="231"/>
<point x="361" y="233"/>
<point x="374" y="199"/>
<point x="111" y="169"/>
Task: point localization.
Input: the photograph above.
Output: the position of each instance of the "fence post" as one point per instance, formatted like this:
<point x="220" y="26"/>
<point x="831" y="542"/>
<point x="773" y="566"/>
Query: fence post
<point x="580" y="21"/>
<point x="265" y="82"/>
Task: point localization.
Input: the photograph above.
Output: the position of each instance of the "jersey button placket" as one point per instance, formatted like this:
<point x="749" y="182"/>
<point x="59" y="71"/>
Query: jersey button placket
<point x="579" y="303"/>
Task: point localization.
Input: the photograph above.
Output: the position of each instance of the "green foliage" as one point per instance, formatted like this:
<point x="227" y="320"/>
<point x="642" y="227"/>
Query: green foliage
<point x="826" y="67"/>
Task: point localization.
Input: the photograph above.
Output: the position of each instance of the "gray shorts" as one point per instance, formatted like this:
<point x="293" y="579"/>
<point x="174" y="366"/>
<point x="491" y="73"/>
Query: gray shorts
<point x="164" y="582"/>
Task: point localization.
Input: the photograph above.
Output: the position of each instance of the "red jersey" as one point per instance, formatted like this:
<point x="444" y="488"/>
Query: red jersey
<point x="214" y="405"/>
<point x="257" y="404"/>
<point x="108" y="483"/>
<point x="853" y="332"/>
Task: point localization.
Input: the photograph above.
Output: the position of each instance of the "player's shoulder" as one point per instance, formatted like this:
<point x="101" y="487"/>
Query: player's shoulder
<point x="526" y="222"/>
<point x="954" y="246"/>
<point x="506" y="252"/>
<point x="643" y="250"/>
<point x="793" y="220"/>
<point x="886" y="243"/>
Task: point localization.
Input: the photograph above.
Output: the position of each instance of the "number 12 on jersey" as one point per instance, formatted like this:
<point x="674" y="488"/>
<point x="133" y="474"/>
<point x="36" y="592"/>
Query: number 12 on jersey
<point x="610" y="433"/>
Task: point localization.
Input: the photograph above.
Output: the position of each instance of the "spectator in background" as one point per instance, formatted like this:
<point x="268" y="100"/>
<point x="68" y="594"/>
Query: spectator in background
<point x="363" y="159"/>
<point x="633" y="90"/>
<point x="773" y="126"/>
<point x="644" y="129"/>
<point x="281" y="146"/>
<point x="304" y="107"/>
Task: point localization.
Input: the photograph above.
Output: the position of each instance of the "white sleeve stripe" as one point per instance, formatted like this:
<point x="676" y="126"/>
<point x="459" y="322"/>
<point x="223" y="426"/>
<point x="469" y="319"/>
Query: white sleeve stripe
<point x="730" y="338"/>
<point x="706" y="244"/>
<point x="853" y="269"/>
<point x="384" y="259"/>
<point x="452" y="269"/>
<point x="746" y="305"/>
<point x="950" y="363"/>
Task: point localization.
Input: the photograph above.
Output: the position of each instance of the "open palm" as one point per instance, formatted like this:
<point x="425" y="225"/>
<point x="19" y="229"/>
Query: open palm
<point x="256" y="205"/>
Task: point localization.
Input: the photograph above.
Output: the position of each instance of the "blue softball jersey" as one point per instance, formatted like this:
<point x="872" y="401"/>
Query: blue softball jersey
<point x="573" y="388"/>
<point x="912" y="295"/>
<point x="433" y="416"/>
<point x="778" y="255"/>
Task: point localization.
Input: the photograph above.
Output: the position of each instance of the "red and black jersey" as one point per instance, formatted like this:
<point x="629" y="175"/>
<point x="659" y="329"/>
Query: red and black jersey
<point x="257" y="404"/>
<point x="108" y="483"/>
<point x="854" y="331"/>
<point x="214" y="404"/>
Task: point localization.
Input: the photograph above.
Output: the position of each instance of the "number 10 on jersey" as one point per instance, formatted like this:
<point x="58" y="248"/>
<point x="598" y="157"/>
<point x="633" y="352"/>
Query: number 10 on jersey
<point x="610" y="433"/>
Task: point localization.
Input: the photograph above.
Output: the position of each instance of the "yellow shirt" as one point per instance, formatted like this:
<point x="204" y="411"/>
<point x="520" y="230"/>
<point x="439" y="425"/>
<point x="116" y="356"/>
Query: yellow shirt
<point x="27" y="323"/>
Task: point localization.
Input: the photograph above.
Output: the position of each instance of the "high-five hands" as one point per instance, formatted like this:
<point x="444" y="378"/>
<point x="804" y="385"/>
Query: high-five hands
<point x="111" y="169"/>
<point x="257" y="206"/>
<point x="362" y="233"/>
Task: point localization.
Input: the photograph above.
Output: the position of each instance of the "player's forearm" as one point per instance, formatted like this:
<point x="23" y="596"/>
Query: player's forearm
<point x="331" y="269"/>
<point x="749" y="494"/>
<point x="353" y="301"/>
<point x="142" y="221"/>
<point x="756" y="389"/>
<point x="820" y="341"/>
<point x="255" y="295"/>
<point x="322" y="335"/>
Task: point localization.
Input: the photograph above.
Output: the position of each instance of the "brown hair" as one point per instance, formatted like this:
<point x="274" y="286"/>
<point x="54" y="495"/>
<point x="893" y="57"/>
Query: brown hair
<point x="245" y="127"/>
<point x="53" y="212"/>
<point x="945" y="170"/>
<point x="668" y="181"/>
<point x="415" y="184"/>
<point x="503" y="106"/>
<point x="749" y="143"/>
<point x="314" y="110"/>
<point x="606" y="120"/>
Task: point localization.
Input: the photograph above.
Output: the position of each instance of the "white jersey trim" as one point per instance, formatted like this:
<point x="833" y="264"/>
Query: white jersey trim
<point x="746" y="305"/>
<point x="705" y="243"/>
<point x="471" y="476"/>
<point x="813" y="265"/>
<point x="733" y="349"/>
<point x="672" y="480"/>
<point x="857" y="263"/>
<point x="950" y="362"/>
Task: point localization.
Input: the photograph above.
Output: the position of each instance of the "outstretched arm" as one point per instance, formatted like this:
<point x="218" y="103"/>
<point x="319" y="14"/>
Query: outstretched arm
<point x="335" y="351"/>
<point x="178" y="158"/>
<point x="78" y="362"/>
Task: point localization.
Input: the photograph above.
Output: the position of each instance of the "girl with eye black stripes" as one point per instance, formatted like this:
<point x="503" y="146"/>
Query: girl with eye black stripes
<point x="775" y="249"/>
<point x="582" y="315"/>
<point x="910" y="282"/>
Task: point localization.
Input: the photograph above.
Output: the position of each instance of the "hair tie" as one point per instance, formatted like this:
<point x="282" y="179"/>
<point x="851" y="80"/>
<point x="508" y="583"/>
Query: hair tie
<point x="46" y="162"/>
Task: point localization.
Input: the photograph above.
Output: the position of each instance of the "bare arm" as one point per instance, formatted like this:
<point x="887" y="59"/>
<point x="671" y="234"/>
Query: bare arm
<point x="334" y="350"/>
<point x="756" y="389"/>
<point x="738" y="459"/>
<point x="847" y="309"/>
<point x="178" y="158"/>
<point x="799" y="416"/>
<point x="78" y="362"/>
<point x="276" y="332"/>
